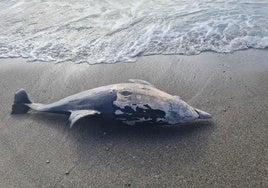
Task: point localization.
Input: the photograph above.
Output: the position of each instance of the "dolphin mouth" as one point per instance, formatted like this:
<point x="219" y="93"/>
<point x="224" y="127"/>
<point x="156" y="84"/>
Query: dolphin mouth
<point x="203" y="115"/>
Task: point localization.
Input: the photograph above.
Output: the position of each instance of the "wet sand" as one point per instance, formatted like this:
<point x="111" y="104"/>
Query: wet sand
<point x="39" y="150"/>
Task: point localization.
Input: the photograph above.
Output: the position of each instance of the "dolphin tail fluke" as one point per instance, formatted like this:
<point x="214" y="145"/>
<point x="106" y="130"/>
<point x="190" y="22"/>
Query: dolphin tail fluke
<point x="20" y="102"/>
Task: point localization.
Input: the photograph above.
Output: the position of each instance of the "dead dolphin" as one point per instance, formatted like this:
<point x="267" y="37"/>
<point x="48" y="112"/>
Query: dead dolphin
<point x="130" y="103"/>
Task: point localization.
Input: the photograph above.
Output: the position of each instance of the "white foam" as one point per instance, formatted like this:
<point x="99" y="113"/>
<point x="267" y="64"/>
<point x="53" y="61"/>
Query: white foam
<point x="111" y="31"/>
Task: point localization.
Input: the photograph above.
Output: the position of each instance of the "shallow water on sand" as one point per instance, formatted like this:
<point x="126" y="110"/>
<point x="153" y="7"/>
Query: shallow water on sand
<point x="113" y="31"/>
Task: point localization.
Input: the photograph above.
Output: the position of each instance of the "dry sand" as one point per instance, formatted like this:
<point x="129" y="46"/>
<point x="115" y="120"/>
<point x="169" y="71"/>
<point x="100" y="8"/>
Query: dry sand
<point x="39" y="150"/>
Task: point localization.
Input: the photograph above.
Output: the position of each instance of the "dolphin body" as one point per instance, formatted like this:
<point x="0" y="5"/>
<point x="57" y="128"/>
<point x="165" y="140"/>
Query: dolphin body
<point x="131" y="103"/>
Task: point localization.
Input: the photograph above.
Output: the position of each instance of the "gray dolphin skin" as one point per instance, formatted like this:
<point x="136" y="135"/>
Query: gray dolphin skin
<point x="131" y="103"/>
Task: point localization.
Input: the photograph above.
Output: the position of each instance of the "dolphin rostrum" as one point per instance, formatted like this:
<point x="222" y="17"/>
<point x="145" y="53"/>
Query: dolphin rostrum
<point x="131" y="103"/>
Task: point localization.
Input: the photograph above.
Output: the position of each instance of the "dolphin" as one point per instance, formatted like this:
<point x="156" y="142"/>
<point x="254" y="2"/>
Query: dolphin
<point x="131" y="103"/>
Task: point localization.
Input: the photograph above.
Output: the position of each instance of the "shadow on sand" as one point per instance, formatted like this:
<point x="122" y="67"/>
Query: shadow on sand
<point x="101" y="141"/>
<point x="97" y="126"/>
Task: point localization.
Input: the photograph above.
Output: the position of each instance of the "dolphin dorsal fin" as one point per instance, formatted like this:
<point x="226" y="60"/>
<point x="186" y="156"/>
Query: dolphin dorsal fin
<point x="78" y="114"/>
<point x="138" y="81"/>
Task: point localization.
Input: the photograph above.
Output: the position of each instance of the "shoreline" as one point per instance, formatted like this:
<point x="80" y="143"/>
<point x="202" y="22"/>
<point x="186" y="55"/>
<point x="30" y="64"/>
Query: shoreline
<point x="137" y="58"/>
<point x="229" y="150"/>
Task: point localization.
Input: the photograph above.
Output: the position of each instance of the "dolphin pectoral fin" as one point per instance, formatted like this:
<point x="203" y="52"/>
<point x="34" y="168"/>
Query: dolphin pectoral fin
<point x="78" y="114"/>
<point x="138" y="81"/>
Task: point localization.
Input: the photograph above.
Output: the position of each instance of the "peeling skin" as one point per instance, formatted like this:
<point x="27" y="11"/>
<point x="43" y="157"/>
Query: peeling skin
<point x="118" y="112"/>
<point x="160" y="120"/>
<point x="142" y="103"/>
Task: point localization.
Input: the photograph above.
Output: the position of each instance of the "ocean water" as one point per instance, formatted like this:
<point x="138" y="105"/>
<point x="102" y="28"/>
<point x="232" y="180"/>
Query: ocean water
<point x="109" y="31"/>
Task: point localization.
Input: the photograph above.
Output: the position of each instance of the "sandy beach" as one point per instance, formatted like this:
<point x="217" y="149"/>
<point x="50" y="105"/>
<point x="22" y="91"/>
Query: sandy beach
<point x="230" y="150"/>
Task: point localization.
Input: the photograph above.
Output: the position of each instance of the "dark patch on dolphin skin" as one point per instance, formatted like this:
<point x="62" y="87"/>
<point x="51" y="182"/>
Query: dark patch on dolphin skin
<point x="125" y="93"/>
<point x="147" y="106"/>
<point x="149" y="114"/>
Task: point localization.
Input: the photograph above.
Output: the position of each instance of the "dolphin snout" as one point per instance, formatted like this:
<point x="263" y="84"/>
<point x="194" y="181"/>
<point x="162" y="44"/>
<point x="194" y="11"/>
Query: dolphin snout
<point x="202" y="114"/>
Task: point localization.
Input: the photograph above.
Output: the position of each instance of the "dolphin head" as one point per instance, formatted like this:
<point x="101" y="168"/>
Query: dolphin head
<point x="182" y="112"/>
